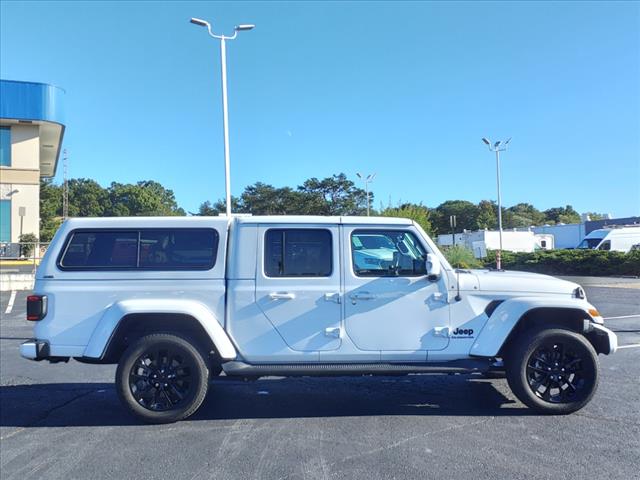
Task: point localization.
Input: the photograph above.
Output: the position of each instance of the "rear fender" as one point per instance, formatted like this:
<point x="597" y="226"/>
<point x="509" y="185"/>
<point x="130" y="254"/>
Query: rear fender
<point x="113" y="315"/>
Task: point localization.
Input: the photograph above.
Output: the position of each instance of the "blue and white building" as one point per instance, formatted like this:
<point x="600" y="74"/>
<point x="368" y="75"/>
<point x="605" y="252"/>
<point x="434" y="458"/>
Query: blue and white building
<point x="31" y="132"/>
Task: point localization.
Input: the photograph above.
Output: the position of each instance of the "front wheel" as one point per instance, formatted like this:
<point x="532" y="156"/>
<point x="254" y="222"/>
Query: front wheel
<point x="553" y="370"/>
<point x="162" y="378"/>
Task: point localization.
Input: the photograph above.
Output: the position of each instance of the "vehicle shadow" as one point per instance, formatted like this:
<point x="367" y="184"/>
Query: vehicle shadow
<point x="96" y="404"/>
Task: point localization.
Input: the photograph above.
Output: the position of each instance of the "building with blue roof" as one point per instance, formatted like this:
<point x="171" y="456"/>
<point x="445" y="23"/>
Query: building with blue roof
<point x="31" y="131"/>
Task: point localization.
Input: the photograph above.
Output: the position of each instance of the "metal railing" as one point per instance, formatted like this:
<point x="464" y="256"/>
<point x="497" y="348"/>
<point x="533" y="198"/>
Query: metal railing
<point x="28" y="252"/>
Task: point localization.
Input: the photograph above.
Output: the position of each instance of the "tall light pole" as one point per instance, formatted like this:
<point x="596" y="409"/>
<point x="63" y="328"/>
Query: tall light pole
<point x="498" y="147"/>
<point x="225" y="114"/>
<point x="368" y="179"/>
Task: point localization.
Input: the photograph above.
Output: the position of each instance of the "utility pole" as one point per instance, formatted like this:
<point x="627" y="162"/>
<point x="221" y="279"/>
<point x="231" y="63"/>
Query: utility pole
<point x="65" y="186"/>
<point x="452" y="222"/>
<point x="368" y="179"/>
<point x="498" y="147"/>
<point x="225" y="114"/>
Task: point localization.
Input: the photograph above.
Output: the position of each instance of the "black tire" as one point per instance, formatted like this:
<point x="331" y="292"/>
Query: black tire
<point x="553" y="371"/>
<point x="180" y="383"/>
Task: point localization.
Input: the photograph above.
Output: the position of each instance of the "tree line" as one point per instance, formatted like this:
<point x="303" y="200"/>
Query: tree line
<point x="334" y="195"/>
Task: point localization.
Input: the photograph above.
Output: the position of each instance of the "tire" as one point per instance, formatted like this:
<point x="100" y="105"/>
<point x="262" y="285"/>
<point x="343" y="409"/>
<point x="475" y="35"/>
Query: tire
<point x="180" y="383"/>
<point x="553" y="371"/>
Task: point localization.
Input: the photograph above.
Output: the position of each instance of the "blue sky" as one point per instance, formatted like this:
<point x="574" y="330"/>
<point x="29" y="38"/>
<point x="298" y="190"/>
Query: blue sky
<point x="406" y="90"/>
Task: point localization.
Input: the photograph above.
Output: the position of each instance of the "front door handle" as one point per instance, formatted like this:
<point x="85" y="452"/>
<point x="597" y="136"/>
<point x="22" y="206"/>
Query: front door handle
<point x="361" y="296"/>
<point x="282" y="296"/>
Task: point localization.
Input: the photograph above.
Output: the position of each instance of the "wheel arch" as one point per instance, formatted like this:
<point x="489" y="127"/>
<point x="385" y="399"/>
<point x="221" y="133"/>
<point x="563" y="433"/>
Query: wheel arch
<point x="515" y="316"/>
<point x="126" y="321"/>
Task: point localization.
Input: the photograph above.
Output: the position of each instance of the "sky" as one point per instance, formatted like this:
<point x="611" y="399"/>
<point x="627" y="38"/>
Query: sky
<point x="403" y="89"/>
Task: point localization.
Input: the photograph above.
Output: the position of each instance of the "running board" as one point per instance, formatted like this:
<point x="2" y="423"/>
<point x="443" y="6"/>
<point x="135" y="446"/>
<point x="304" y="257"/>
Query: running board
<point x="336" y="369"/>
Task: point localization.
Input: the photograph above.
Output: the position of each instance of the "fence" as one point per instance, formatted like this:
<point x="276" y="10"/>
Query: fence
<point x="29" y="252"/>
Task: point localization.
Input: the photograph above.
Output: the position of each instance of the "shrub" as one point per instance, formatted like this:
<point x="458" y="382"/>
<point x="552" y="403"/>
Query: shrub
<point x="30" y="239"/>
<point x="570" y="262"/>
<point x="461" y="257"/>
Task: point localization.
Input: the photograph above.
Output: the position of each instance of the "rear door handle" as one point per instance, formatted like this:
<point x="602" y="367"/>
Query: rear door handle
<point x="282" y="296"/>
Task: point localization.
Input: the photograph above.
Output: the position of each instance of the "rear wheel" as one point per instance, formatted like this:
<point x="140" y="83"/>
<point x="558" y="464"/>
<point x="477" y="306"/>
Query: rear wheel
<point x="162" y="378"/>
<point x="553" y="370"/>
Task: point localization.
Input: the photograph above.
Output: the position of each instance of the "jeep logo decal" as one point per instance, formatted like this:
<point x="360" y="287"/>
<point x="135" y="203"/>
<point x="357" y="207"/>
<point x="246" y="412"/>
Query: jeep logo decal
<point x="466" y="332"/>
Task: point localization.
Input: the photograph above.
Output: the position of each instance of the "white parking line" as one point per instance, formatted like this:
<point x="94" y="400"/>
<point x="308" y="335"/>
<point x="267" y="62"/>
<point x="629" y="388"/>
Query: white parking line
<point x="634" y="345"/>
<point x="12" y="299"/>
<point x="622" y="316"/>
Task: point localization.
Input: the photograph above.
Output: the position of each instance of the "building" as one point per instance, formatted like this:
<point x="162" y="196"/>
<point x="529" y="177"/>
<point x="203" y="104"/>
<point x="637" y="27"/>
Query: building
<point x="31" y="132"/>
<point x="571" y="234"/>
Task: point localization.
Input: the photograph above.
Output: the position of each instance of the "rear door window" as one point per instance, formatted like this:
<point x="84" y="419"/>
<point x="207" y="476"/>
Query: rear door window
<point x="297" y="252"/>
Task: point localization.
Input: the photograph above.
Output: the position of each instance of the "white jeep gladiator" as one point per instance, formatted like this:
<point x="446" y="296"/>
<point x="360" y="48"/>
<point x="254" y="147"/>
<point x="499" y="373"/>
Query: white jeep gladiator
<point x="176" y="301"/>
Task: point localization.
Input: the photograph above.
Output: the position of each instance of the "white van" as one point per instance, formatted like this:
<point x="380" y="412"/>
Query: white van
<point x="615" y="239"/>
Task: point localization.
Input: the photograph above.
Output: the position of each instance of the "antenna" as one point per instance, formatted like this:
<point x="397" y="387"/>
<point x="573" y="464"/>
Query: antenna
<point x="65" y="186"/>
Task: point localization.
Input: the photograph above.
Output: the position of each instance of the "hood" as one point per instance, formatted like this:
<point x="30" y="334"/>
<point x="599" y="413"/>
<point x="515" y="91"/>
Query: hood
<point x="506" y="281"/>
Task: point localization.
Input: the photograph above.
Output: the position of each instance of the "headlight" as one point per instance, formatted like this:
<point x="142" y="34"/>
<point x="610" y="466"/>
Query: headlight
<point x="579" y="293"/>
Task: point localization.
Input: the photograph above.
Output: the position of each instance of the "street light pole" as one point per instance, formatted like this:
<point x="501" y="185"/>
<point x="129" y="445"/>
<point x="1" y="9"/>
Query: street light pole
<point x="366" y="180"/>
<point x="225" y="104"/>
<point x="498" y="147"/>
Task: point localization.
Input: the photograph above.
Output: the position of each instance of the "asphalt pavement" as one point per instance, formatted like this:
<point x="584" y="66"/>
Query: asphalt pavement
<point x="64" y="421"/>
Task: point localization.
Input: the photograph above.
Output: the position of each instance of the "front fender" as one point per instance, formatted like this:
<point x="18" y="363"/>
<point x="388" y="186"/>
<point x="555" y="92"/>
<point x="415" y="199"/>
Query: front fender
<point x="506" y="316"/>
<point x="112" y="316"/>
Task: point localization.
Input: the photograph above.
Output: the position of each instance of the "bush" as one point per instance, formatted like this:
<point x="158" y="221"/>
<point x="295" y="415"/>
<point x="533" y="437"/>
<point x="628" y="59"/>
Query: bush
<point x="570" y="262"/>
<point x="461" y="257"/>
<point x="30" y="239"/>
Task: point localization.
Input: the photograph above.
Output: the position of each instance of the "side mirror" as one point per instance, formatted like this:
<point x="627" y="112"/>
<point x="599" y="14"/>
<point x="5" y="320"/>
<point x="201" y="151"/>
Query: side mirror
<point x="434" y="269"/>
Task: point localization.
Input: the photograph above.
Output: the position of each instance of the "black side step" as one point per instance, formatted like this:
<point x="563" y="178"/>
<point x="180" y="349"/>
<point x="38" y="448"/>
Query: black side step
<point x="336" y="369"/>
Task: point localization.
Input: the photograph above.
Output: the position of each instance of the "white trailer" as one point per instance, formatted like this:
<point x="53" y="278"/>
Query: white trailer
<point x="512" y="241"/>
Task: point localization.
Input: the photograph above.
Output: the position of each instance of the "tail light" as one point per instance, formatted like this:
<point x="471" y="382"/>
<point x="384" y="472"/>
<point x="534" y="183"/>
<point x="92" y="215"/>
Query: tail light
<point x="36" y="307"/>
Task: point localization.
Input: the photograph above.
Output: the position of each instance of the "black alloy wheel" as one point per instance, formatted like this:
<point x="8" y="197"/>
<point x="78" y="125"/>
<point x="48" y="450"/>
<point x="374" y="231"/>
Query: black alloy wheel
<point x="162" y="378"/>
<point x="556" y="373"/>
<point x="552" y="370"/>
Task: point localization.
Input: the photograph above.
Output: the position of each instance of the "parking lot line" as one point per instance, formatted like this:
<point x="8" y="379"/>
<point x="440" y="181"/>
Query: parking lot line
<point x="622" y="316"/>
<point x="633" y="345"/>
<point x="12" y="299"/>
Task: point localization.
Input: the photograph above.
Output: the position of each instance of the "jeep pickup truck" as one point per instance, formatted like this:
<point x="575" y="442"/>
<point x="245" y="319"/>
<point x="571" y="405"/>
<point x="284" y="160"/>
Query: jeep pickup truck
<point x="176" y="301"/>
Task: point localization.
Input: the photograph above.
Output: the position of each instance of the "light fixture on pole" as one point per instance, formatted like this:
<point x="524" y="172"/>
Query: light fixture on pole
<point x="498" y="147"/>
<point x="368" y="179"/>
<point x="225" y="115"/>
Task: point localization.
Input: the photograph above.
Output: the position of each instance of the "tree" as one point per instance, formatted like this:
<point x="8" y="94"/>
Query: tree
<point x="487" y="215"/>
<point x="523" y="215"/>
<point x="145" y="198"/>
<point x="466" y="216"/>
<point x="208" y="209"/>
<point x="335" y="195"/>
<point x="562" y="215"/>
<point x="416" y="212"/>
<point x="597" y="216"/>
<point x="50" y="209"/>
<point x="87" y="198"/>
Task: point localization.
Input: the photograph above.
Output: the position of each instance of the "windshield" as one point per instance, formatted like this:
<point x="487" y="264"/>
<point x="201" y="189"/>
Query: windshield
<point x="589" y="243"/>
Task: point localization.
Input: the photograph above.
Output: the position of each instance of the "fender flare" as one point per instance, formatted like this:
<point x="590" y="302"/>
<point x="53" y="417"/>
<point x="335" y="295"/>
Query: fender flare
<point x="109" y="321"/>
<point x="506" y="316"/>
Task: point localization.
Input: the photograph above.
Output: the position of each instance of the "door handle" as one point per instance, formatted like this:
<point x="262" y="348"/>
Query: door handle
<point x="362" y="296"/>
<point x="332" y="297"/>
<point x="282" y="296"/>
